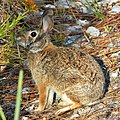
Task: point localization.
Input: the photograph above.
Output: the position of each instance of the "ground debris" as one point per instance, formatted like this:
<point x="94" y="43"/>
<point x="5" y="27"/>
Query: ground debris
<point x="105" y="47"/>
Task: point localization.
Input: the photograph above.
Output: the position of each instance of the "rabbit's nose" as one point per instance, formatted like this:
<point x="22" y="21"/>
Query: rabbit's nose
<point x="19" y="42"/>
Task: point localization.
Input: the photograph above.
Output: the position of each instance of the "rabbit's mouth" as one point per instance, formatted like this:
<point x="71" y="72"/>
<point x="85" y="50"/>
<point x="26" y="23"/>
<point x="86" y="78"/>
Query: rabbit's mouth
<point x="33" y="44"/>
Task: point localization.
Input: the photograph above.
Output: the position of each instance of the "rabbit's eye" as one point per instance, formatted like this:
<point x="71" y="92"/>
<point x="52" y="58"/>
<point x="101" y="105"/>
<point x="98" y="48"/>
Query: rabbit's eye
<point x="33" y="34"/>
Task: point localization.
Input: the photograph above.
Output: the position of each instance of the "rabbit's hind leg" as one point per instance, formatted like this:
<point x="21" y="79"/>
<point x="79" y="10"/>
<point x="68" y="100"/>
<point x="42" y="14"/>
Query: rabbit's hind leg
<point x="70" y="105"/>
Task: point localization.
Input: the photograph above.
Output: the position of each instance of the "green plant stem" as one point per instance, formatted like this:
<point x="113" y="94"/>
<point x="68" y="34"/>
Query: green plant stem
<point x="19" y="94"/>
<point x="2" y="115"/>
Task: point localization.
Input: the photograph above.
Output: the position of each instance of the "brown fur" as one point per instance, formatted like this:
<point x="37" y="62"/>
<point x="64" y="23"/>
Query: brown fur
<point x="70" y="72"/>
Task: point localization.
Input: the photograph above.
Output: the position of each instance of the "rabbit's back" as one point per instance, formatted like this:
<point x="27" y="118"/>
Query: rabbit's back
<point x="71" y="71"/>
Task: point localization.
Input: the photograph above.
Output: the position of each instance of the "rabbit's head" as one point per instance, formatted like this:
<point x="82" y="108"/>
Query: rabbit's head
<point x="36" y="38"/>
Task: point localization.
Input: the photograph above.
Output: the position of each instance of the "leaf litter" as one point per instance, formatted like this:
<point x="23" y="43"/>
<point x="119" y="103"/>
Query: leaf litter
<point x="105" y="47"/>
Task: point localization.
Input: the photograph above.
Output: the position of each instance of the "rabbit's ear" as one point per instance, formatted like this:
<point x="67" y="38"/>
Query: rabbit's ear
<point x="47" y="22"/>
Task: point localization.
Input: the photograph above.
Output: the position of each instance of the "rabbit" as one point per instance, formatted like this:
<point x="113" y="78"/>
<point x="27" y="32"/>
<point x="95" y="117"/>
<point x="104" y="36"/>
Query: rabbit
<point x="69" y="72"/>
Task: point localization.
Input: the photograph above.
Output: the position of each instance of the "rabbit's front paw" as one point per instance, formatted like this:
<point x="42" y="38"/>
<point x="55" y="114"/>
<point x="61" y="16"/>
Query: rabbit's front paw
<point x="39" y="109"/>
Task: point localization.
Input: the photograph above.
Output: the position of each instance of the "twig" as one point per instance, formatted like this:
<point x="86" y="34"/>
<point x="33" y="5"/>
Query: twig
<point x="18" y="50"/>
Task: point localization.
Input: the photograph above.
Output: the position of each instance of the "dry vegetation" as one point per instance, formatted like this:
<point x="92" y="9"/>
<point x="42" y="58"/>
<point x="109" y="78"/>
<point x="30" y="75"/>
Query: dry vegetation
<point x="11" y="61"/>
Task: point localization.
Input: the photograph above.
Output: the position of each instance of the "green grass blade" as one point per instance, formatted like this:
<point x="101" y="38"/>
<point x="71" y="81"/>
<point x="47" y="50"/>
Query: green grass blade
<point x="19" y="94"/>
<point x="2" y="115"/>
